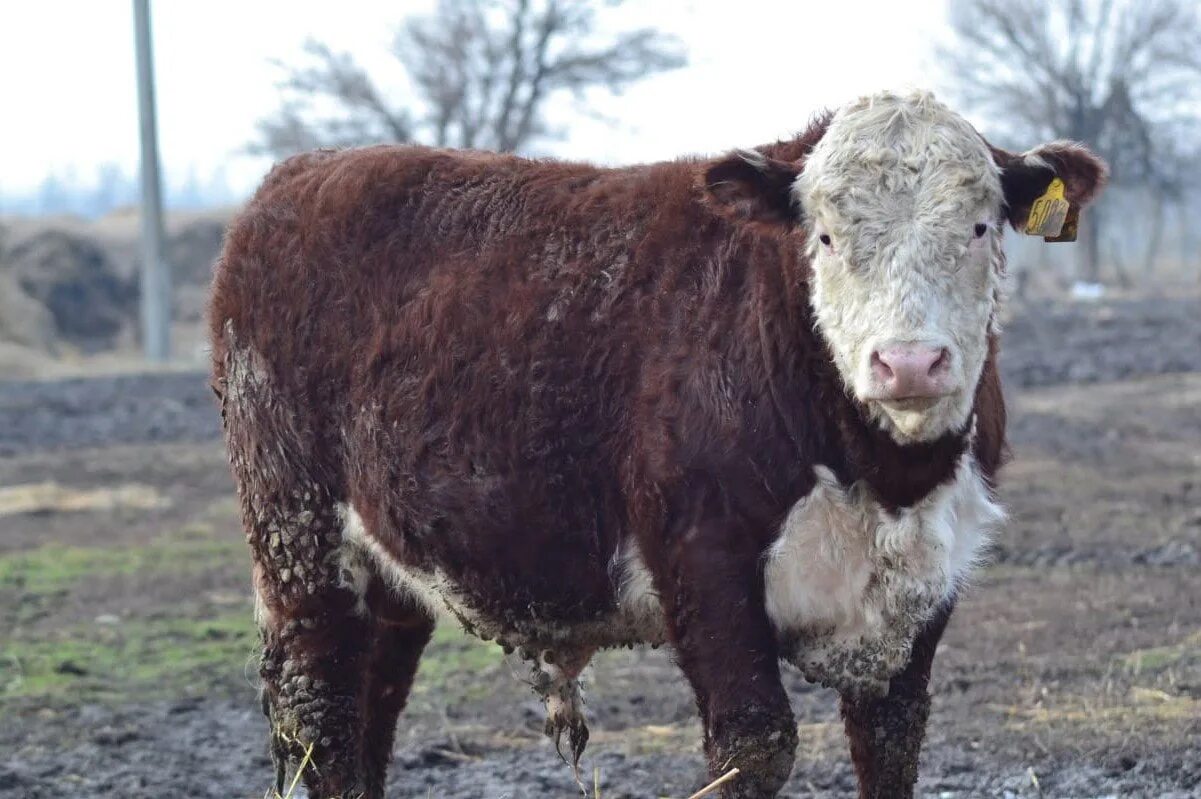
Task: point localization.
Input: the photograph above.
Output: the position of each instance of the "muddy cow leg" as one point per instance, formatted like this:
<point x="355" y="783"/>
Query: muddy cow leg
<point x="401" y="629"/>
<point x="886" y="733"/>
<point x="315" y="634"/>
<point x="310" y="607"/>
<point x="726" y="647"/>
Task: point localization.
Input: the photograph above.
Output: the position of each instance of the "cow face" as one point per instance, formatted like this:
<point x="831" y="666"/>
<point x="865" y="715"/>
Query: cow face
<point x="903" y="204"/>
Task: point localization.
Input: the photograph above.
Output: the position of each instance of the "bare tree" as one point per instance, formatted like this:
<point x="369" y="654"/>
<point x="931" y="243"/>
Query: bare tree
<point x="332" y="102"/>
<point x="480" y="74"/>
<point x="1120" y="75"/>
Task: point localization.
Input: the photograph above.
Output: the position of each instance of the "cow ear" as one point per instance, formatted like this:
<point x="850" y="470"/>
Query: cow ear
<point x="749" y="186"/>
<point x="1026" y="178"/>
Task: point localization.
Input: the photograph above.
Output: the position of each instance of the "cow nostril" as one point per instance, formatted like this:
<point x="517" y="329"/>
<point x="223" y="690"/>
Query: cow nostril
<point x="942" y="363"/>
<point x="881" y="368"/>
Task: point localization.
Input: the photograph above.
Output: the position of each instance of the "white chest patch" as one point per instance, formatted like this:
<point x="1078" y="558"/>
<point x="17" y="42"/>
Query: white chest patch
<point x="848" y="585"/>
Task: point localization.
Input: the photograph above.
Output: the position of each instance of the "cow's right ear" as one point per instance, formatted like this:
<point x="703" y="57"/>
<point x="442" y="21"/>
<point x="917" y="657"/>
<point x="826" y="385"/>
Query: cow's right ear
<point x="749" y="186"/>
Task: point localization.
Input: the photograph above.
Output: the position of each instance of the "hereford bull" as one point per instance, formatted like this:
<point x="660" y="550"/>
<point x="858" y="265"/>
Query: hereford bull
<point x="746" y="406"/>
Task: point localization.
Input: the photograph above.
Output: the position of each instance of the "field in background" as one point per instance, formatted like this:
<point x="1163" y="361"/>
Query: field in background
<point x="1072" y="669"/>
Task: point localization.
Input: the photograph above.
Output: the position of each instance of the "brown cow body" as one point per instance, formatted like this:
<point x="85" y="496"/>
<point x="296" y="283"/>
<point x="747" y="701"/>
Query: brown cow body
<point x="573" y="406"/>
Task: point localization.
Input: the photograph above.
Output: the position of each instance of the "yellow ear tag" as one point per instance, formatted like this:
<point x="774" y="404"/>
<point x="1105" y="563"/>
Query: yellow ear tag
<point x="1049" y="212"/>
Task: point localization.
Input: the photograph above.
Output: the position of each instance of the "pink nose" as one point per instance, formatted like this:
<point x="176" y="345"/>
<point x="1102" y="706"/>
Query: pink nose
<point x="911" y="371"/>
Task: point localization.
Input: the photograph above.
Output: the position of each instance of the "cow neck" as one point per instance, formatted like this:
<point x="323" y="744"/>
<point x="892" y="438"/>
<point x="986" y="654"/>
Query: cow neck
<point x="897" y="475"/>
<point x="857" y="450"/>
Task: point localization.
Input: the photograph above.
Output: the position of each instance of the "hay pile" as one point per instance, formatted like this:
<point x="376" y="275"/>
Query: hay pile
<point x="69" y="287"/>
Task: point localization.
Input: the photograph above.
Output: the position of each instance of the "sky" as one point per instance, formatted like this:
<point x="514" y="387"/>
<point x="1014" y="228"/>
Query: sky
<point x="758" y="70"/>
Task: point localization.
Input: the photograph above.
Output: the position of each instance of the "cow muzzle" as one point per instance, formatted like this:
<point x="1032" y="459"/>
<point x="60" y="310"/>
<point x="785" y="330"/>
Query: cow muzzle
<point x="910" y="374"/>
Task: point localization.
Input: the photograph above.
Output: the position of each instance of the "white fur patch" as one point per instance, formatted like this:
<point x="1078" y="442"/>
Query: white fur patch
<point x="847" y="576"/>
<point x="433" y="591"/>
<point x="263" y="617"/>
<point x="898" y="185"/>
<point x="354" y="573"/>
<point x="638" y="602"/>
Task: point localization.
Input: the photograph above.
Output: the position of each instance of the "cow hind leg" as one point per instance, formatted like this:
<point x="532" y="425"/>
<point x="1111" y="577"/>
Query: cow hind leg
<point x="316" y="643"/>
<point x="313" y="621"/>
<point x="886" y="733"/>
<point x="401" y="630"/>
<point x="316" y="639"/>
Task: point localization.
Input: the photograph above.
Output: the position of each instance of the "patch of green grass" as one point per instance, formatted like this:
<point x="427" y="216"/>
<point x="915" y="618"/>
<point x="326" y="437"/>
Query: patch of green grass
<point x="453" y="654"/>
<point x="452" y="650"/>
<point x="137" y="657"/>
<point x="174" y="647"/>
<point x="47" y="652"/>
<point x="54" y="567"/>
<point x="1161" y="657"/>
<point x="161" y="656"/>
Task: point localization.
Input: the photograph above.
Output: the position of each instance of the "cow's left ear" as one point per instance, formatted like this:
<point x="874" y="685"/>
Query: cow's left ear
<point x="1027" y="177"/>
<point x="750" y="186"/>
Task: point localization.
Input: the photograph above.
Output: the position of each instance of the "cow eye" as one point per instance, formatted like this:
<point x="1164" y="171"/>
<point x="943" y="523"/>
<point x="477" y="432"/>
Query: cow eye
<point x="981" y="229"/>
<point x="824" y="239"/>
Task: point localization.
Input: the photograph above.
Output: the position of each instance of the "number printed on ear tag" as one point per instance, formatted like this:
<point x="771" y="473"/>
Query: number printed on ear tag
<point x="1049" y="212"/>
<point x="1071" y="227"/>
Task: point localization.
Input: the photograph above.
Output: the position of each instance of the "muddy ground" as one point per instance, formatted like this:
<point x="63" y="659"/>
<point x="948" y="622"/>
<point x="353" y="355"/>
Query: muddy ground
<point x="1072" y="669"/>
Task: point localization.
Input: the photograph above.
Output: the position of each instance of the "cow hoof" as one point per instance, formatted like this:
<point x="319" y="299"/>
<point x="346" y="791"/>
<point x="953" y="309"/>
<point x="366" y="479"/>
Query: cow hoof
<point x="762" y="751"/>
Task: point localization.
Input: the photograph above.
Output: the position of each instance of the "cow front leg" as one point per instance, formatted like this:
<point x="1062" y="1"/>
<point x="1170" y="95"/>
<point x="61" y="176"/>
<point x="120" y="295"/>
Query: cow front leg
<point x="726" y="647"/>
<point x="886" y="732"/>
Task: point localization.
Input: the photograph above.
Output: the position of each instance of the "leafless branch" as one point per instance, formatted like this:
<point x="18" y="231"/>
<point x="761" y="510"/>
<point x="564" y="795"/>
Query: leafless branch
<point x="481" y="73"/>
<point x="330" y="101"/>
<point x="1111" y="73"/>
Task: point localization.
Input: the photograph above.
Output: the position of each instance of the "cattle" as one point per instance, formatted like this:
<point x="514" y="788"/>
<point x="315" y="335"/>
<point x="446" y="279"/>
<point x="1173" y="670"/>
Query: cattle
<point x="745" y="406"/>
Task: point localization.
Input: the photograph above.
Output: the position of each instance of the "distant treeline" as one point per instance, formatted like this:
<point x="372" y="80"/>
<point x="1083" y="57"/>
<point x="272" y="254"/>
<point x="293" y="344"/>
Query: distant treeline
<point x="111" y="188"/>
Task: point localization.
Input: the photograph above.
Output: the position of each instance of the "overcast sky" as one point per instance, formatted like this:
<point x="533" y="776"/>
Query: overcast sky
<point x="759" y="69"/>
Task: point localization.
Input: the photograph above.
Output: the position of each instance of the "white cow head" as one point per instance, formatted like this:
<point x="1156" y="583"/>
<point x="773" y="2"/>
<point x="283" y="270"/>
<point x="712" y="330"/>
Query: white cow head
<point x="902" y="204"/>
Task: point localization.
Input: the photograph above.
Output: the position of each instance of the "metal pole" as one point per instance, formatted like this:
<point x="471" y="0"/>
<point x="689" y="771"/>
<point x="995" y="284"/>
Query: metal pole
<point x="156" y="276"/>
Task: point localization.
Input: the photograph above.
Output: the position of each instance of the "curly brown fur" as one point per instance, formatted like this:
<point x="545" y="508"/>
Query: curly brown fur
<point x="510" y="375"/>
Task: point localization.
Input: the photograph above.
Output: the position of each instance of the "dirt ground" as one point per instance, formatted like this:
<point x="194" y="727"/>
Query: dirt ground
<point x="1071" y="669"/>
